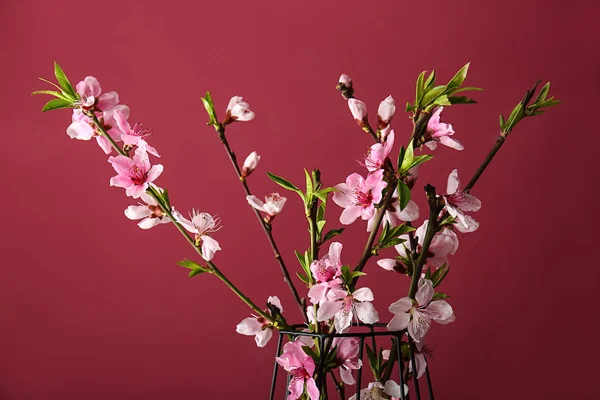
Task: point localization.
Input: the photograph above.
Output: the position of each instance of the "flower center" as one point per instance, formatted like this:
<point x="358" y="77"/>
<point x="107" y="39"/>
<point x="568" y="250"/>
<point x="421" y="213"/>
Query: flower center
<point x="300" y="373"/>
<point x="139" y="131"/>
<point x="363" y="199"/>
<point x="137" y="175"/>
<point x="156" y="211"/>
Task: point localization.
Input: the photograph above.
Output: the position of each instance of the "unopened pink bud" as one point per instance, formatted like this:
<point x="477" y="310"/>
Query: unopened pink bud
<point x="345" y="80"/>
<point x="359" y="111"/>
<point x="250" y="164"/>
<point x="385" y="112"/>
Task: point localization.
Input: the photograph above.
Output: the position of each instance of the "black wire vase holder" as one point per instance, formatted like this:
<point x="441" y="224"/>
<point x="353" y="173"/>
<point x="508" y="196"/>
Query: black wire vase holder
<point x="373" y="331"/>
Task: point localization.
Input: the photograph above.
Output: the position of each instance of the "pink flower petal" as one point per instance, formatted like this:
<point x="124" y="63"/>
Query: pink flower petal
<point x="399" y="322"/>
<point x="249" y="326"/>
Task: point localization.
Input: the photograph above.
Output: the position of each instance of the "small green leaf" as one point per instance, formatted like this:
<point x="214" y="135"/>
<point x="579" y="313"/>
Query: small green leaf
<point x="433" y="94"/>
<point x="210" y="108"/>
<point x="408" y="158"/>
<point x="195" y="272"/>
<point x="52" y="93"/>
<point x="430" y="81"/>
<point x="463" y="89"/>
<point x="502" y="122"/>
<point x="438" y="276"/>
<point x="460" y="76"/>
<point x="189" y="264"/>
<point x="303" y="278"/>
<point x="461" y="100"/>
<point x="401" y="230"/>
<point x="439" y="296"/>
<point x="409" y="107"/>
<point x="320" y="225"/>
<point x="543" y="93"/>
<point x="284" y="183"/>
<point x="301" y="259"/>
<point x="63" y="81"/>
<point x="310" y="352"/>
<point x="403" y="194"/>
<point x="331" y="234"/>
<point x="515" y="116"/>
<point x="442" y="100"/>
<point x="321" y="212"/>
<point x="419" y="160"/>
<point x="55" y="104"/>
<point x="373" y="362"/>
<point x="419" y="88"/>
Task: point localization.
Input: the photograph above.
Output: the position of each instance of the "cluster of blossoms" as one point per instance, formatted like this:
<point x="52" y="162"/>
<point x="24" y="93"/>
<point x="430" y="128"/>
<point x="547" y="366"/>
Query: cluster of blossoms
<point x="377" y="196"/>
<point x="98" y="115"/>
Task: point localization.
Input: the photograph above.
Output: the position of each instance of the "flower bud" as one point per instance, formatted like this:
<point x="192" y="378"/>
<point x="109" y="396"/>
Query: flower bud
<point x="250" y="164"/>
<point x="238" y="110"/>
<point x="385" y="112"/>
<point x="345" y="87"/>
<point x="359" y="112"/>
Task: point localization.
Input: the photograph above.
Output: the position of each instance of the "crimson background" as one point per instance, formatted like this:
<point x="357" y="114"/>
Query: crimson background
<point x="94" y="308"/>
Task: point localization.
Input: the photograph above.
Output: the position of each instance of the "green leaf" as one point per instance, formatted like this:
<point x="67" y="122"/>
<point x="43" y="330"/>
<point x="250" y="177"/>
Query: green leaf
<point x="309" y="185"/>
<point x="55" y="104"/>
<point x="442" y="100"/>
<point x="403" y="194"/>
<point x="210" y="108"/>
<point x="463" y="89"/>
<point x="502" y="122"/>
<point x="332" y="233"/>
<point x="303" y="278"/>
<point x="400" y="230"/>
<point x="391" y="242"/>
<point x="439" y="296"/>
<point x="430" y="80"/>
<point x="301" y="259"/>
<point x="189" y="264"/>
<point x="433" y="94"/>
<point x="543" y="93"/>
<point x="54" y="93"/>
<point x="461" y="100"/>
<point x="310" y="352"/>
<point x="284" y="183"/>
<point x="460" y="76"/>
<point x="438" y="276"/>
<point x="346" y="274"/>
<point x="515" y="116"/>
<point x="408" y="158"/>
<point x="419" y="88"/>
<point x="356" y="274"/>
<point x="193" y="266"/>
<point x="409" y="107"/>
<point x="373" y="362"/>
<point x="320" y="225"/>
<point x="195" y="272"/>
<point x="64" y="82"/>
<point x="419" y="160"/>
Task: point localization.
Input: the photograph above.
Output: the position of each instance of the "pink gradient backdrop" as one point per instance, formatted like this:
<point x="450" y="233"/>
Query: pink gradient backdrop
<point x="91" y="307"/>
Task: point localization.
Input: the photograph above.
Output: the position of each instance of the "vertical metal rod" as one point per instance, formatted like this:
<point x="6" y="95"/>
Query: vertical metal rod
<point x="429" y="387"/>
<point x="276" y="368"/>
<point x="414" y="367"/>
<point x="400" y="367"/>
<point x="373" y="341"/>
<point x="359" y="374"/>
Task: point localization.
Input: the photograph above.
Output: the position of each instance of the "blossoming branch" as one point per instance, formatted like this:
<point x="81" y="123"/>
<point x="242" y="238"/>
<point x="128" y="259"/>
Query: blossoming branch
<point x="379" y="194"/>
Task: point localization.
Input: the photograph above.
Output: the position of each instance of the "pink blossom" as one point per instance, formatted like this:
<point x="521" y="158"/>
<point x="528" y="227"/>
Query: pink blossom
<point x="250" y="164"/>
<point x="272" y="206"/>
<point x="326" y="273"/>
<point x="201" y="224"/>
<point x="259" y="327"/>
<point x="378" y="391"/>
<point x="383" y="133"/>
<point x="385" y="112"/>
<point x="150" y="213"/>
<point x="346" y="357"/>
<point x="345" y="80"/>
<point x="457" y="202"/>
<point x="394" y="214"/>
<point x="416" y="315"/>
<point x="134" y="174"/>
<point x="378" y="153"/>
<point x="90" y="92"/>
<point x="301" y="367"/>
<point x="358" y="196"/>
<point x="359" y="111"/>
<point x="82" y="128"/>
<point x="341" y="306"/>
<point x="443" y="244"/>
<point x="238" y="110"/>
<point x="440" y="132"/>
<point x="132" y="136"/>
